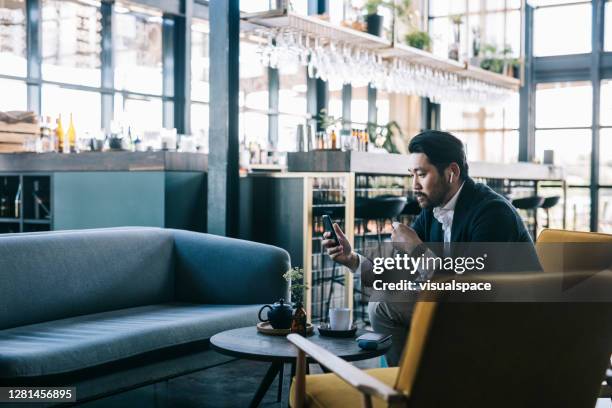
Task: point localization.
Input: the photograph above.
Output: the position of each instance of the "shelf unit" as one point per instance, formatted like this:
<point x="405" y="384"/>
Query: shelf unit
<point x="324" y="31"/>
<point x="34" y="212"/>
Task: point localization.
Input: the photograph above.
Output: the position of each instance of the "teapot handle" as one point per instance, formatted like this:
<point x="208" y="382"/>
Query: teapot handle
<point x="261" y="310"/>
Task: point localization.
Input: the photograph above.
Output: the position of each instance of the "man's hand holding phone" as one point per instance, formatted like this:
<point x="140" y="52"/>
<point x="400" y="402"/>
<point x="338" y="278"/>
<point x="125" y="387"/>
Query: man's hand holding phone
<point x="341" y="250"/>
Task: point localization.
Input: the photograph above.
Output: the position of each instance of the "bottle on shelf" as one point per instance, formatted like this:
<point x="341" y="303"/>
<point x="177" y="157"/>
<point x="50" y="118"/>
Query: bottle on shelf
<point x="366" y="140"/>
<point x="5" y="202"/>
<point x="45" y="136"/>
<point x="299" y="320"/>
<point x="59" y="135"/>
<point x="18" y="202"/>
<point x="70" y="142"/>
<point x="334" y="140"/>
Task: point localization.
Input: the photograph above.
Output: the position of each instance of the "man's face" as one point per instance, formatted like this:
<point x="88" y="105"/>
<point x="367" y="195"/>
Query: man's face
<point x="430" y="187"/>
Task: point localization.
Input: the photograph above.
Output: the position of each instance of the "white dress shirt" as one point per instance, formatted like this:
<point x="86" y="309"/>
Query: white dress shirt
<point x="445" y="214"/>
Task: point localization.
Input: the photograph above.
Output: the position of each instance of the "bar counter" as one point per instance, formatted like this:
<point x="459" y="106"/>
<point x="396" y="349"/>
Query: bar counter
<point x="103" y="161"/>
<point x="324" y="161"/>
<point x="104" y="189"/>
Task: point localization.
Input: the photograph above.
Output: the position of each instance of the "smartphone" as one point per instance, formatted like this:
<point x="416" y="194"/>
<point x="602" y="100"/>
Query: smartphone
<point x="327" y="223"/>
<point x="375" y="337"/>
<point x="372" y="341"/>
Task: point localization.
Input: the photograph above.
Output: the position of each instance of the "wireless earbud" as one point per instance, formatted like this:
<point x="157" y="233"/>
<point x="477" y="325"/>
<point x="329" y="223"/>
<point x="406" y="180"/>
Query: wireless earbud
<point x="451" y="177"/>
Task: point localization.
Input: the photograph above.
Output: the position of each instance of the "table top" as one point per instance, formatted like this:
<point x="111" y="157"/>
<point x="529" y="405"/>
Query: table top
<point x="248" y="343"/>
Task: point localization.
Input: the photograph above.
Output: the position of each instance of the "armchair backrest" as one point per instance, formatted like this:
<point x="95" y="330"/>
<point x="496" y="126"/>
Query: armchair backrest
<point x="561" y="250"/>
<point x="508" y="354"/>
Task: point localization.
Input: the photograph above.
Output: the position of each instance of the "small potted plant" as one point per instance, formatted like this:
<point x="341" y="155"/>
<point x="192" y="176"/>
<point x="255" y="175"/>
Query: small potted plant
<point x="374" y="21"/>
<point x="453" y="51"/>
<point x="295" y="277"/>
<point x="419" y="39"/>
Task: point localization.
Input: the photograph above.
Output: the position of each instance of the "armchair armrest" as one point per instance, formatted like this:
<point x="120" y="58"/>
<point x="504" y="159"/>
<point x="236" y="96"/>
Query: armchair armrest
<point x="218" y="270"/>
<point x="366" y="384"/>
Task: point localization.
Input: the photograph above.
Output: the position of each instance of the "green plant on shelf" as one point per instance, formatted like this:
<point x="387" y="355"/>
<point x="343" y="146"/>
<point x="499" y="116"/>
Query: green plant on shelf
<point x="297" y="286"/>
<point x="382" y="135"/>
<point x="497" y="61"/>
<point x="419" y="39"/>
<point x="327" y="121"/>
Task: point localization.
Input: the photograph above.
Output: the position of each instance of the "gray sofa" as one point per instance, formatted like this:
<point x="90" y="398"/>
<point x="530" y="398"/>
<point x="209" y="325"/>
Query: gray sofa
<point x="111" y="309"/>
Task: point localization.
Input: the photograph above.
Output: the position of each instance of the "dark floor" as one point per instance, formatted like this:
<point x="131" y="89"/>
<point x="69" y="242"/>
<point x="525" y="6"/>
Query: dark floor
<point x="230" y="385"/>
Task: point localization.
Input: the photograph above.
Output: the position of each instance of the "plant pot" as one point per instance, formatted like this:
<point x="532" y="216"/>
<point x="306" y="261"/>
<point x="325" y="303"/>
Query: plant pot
<point x="374" y="24"/>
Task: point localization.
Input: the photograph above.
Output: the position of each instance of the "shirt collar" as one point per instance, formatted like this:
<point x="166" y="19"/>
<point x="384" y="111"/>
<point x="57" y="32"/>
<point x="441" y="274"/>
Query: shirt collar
<point x="444" y="214"/>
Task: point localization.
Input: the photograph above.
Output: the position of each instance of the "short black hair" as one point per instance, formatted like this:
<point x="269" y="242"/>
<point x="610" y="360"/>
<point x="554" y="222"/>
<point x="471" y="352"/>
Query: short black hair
<point x="442" y="149"/>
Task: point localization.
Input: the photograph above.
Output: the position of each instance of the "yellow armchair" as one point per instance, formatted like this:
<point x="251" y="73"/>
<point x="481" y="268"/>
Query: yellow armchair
<point x="477" y="355"/>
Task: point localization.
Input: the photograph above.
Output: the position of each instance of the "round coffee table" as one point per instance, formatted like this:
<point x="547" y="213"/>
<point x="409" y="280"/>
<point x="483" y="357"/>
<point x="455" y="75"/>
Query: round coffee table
<point x="247" y="343"/>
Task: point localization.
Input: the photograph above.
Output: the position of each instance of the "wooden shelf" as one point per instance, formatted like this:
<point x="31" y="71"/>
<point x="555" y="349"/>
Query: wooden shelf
<point x="324" y="30"/>
<point x="316" y="27"/>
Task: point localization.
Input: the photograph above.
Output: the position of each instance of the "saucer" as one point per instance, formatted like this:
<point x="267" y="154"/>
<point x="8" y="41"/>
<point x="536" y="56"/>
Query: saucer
<point x="325" y="330"/>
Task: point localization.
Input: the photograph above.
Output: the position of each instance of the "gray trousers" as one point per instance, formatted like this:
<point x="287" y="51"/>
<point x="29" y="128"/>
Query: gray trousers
<point x="392" y="318"/>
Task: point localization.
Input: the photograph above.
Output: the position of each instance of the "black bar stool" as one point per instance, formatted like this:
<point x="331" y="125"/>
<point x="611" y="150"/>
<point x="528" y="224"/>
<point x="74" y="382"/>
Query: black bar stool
<point x="547" y="204"/>
<point x="379" y="209"/>
<point x="412" y="207"/>
<point x="529" y="205"/>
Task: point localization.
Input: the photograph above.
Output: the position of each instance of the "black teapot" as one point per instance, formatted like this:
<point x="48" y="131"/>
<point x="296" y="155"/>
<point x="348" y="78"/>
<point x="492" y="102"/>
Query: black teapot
<point x="279" y="315"/>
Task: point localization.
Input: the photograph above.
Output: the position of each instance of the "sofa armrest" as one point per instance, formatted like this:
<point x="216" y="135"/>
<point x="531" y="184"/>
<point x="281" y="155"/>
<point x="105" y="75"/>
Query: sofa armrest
<point x="218" y="270"/>
<point x="360" y="380"/>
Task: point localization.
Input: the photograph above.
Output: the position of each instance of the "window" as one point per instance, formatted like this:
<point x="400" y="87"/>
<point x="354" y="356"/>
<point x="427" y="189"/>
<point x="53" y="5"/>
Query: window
<point x="608" y="27"/>
<point x="200" y="64"/>
<point x="605" y="157"/>
<point x="142" y="113"/>
<point x="255" y="6"/>
<point x="14" y="95"/>
<point x="561" y="30"/>
<point x="495" y="25"/>
<point x="84" y="106"/>
<point x="564" y="104"/>
<point x="71" y="42"/>
<point x="292" y="105"/>
<point x="200" y="123"/>
<point x="334" y="103"/>
<point x="382" y="107"/>
<point x="13" y="38"/>
<point x="359" y="105"/>
<point x="606" y="103"/>
<point x="572" y="150"/>
<point x="563" y="124"/>
<point x="605" y="210"/>
<point x="489" y="133"/>
<point x="253" y="96"/>
<point x="578" y="213"/>
<point x="138" y="49"/>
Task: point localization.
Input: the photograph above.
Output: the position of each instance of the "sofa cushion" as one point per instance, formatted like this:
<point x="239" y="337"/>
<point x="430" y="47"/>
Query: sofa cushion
<point x="55" y="275"/>
<point x="75" y="343"/>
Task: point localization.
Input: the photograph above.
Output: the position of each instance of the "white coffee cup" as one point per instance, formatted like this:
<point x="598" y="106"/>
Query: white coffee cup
<point x="340" y="318"/>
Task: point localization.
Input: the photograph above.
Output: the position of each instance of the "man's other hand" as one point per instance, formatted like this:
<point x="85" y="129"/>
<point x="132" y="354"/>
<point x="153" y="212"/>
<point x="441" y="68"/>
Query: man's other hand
<point x="405" y="239"/>
<point x="341" y="251"/>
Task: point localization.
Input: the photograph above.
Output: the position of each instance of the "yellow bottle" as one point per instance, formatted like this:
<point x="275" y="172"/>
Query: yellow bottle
<point x="70" y="138"/>
<point x="59" y="135"/>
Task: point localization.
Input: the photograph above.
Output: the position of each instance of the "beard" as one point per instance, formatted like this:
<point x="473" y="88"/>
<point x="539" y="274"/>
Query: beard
<point x="436" y="197"/>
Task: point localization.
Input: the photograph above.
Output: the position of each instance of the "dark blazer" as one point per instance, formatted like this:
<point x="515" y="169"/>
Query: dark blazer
<point x="481" y="215"/>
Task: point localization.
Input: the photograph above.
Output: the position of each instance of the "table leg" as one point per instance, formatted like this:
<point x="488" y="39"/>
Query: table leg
<point x="265" y="384"/>
<point x="280" y="383"/>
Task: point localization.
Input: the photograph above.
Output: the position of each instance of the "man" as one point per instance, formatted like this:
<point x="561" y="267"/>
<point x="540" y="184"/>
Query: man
<point x="454" y="209"/>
